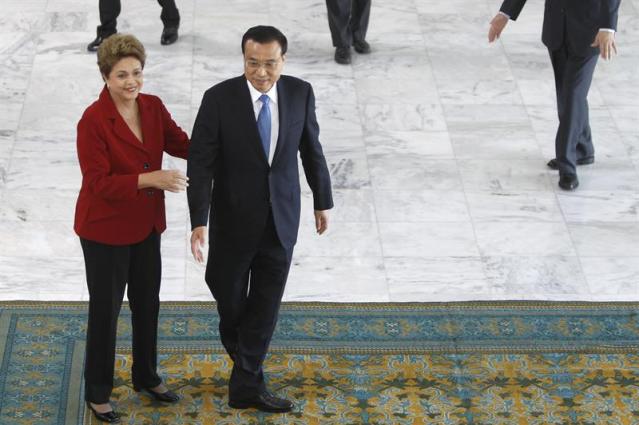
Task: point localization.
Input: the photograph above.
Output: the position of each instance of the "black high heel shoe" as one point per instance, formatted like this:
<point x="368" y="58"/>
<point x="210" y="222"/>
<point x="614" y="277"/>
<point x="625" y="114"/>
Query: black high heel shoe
<point x="168" y="396"/>
<point x="111" y="417"/>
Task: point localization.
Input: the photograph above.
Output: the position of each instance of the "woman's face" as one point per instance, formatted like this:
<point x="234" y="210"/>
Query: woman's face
<point x="125" y="79"/>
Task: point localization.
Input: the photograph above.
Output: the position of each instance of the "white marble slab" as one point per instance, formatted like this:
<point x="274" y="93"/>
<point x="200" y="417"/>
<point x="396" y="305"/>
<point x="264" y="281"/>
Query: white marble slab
<point x="523" y="238"/>
<point x="353" y="279"/>
<point x="45" y="274"/>
<point x="351" y="205"/>
<point x="599" y="206"/>
<point x="421" y="205"/>
<point x="436" y="142"/>
<point x="514" y="206"/>
<point x="479" y="92"/>
<point x="495" y="143"/>
<point x="595" y="239"/>
<point x="429" y="239"/>
<point x="504" y="175"/>
<point x="39" y="239"/>
<point x="403" y="117"/>
<point x="427" y="276"/>
<point x="413" y="172"/>
<point x="340" y="240"/>
<point x="536" y="274"/>
<point x="612" y="278"/>
<point x="432" y="144"/>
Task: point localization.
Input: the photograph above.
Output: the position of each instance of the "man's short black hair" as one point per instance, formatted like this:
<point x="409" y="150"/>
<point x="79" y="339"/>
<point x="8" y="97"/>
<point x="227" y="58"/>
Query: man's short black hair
<point x="265" y="34"/>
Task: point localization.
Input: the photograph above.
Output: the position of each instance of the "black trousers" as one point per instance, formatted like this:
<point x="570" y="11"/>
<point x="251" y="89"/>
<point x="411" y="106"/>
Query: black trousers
<point x="110" y="10"/>
<point x="248" y="286"/>
<point x="348" y="20"/>
<point x="573" y="77"/>
<point x="109" y="269"/>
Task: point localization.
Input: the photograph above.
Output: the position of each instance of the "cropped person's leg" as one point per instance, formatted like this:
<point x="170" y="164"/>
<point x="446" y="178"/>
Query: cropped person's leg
<point x="106" y="270"/>
<point x="145" y="274"/>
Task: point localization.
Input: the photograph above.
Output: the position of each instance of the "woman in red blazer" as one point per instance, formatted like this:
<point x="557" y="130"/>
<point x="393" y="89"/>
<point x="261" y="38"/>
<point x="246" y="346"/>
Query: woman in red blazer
<point x="120" y="215"/>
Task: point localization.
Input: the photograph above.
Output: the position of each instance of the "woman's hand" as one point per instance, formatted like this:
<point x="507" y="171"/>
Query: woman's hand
<point x="171" y="180"/>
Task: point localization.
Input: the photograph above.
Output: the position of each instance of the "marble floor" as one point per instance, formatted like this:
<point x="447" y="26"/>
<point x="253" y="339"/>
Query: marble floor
<point x="437" y="143"/>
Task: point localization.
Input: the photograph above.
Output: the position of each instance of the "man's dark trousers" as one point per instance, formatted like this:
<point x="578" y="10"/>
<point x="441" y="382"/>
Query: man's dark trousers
<point x="348" y="20"/>
<point x="573" y="76"/>
<point x="248" y="285"/>
<point x="110" y="10"/>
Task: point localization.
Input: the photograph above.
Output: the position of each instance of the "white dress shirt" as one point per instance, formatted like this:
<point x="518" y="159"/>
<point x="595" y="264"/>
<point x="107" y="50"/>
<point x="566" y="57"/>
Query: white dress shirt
<point x="275" y="116"/>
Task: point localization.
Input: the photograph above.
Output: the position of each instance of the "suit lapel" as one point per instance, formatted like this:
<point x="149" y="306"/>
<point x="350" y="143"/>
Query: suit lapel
<point x="119" y="126"/>
<point x="282" y="106"/>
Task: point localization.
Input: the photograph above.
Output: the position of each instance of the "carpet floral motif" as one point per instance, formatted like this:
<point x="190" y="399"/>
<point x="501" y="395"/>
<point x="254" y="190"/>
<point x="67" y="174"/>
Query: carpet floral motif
<point x="451" y="364"/>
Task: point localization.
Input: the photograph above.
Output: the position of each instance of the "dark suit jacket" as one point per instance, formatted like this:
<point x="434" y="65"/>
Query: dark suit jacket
<point x="226" y="149"/>
<point x="577" y="20"/>
<point x="110" y="208"/>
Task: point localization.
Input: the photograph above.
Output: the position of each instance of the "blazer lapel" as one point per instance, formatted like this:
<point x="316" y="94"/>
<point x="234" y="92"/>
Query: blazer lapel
<point x="119" y="126"/>
<point x="282" y="106"/>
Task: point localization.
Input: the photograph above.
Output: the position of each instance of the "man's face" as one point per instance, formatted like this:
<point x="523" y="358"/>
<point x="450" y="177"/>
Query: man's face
<point x="263" y="64"/>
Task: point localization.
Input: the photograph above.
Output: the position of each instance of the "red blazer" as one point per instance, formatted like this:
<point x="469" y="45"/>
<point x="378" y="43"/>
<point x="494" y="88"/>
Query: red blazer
<point x="110" y="208"/>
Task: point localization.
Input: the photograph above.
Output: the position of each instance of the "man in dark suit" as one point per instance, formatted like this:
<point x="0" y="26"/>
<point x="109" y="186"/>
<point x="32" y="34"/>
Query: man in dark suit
<point x="110" y="10"/>
<point x="348" y="22"/>
<point x="575" y="32"/>
<point x="245" y="140"/>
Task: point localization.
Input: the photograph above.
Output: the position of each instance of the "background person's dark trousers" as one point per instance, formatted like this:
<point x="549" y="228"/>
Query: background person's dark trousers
<point x="109" y="268"/>
<point x="573" y="76"/>
<point x="110" y="10"/>
<point x="248" y="287"/>
<point x="348" y="20"/>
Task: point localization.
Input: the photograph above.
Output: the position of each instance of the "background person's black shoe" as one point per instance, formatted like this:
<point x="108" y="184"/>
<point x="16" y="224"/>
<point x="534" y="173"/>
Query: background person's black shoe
<point x="168" y="396"/>
<point x="343" y="55"/>
<point x="552" y="164"/>
<point x="169" y="35"/>
<point x="110" y="417"/>
<point x="93" y="46"/>
<point x="266" y="402"/>
<point x="568" y="181"/>
<point x="361" y="46"/>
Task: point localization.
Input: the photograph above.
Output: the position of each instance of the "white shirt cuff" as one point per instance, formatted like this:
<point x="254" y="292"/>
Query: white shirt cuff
<point x="607" y="30"/>
<point x="505" y="14"/>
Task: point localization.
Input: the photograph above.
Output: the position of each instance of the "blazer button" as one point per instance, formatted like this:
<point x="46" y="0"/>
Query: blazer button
<point x="149" y="192"/>
<point x="146" y="165"/>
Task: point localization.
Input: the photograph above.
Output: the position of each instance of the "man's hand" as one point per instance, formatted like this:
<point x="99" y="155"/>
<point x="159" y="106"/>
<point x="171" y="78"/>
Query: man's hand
<point x="198" y="238"/>
<point x="497" y="25"/>
<point x="321" y="221"/>
<point x="605" y="41"/>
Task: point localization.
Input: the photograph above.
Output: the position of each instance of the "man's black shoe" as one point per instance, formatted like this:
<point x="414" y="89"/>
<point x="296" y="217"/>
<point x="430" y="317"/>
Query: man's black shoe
<point x="93" y="46"/>
<point x="361" y="46"/>
<point x="568" y="181"/>
<point x="343" y="55"/>
<point x="266" y="402"/>
<point x="169" y="35"/>
<point x="582" y="161"/>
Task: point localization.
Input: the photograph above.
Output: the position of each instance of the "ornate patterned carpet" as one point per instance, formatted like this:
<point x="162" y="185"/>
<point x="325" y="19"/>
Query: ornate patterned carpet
<point x="460" y="363"/>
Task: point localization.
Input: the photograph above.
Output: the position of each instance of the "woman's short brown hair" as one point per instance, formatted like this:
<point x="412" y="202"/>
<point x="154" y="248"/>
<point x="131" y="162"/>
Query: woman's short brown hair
<point x="116" y="47"/>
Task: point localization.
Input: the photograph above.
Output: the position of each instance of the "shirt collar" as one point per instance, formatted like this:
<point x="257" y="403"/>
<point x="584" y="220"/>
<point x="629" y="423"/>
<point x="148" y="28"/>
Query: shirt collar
<point x="255" y="93"/>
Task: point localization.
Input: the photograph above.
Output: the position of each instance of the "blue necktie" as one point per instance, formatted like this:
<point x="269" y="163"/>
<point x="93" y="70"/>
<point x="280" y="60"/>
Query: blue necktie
<point x="264" y="124"/>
